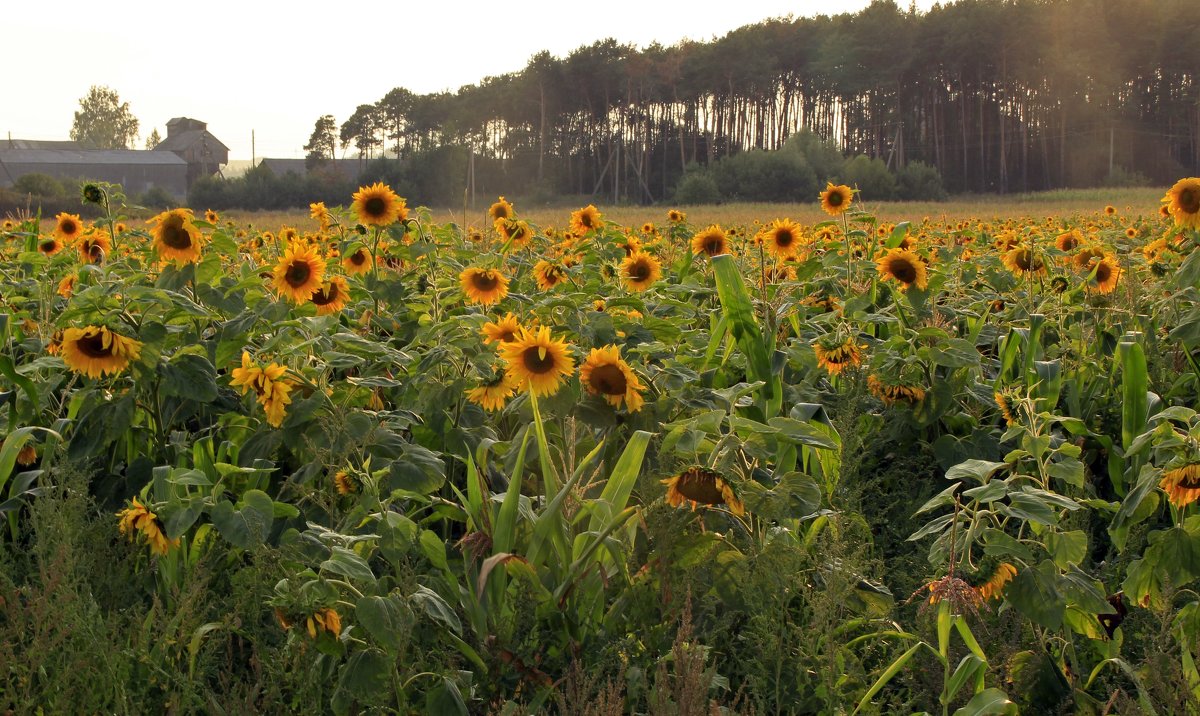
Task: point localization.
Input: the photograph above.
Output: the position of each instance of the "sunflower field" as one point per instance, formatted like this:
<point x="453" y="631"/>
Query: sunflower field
<point x="377" y="464"/>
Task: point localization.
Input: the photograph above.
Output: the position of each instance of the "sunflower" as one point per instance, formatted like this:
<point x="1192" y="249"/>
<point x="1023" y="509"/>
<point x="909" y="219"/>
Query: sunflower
<point x="585" y="219"/>
<point x="321" y="214"/>
<point x="1110" y="210"/>
<point x="176" y="238"/>
<point x="344" y="483"/>
<point x="1069" y="241"/>
<point x="782" y="238"/>
<point x="699" y="486"/>
<point x="95" y="350"/>
<point x="1023" y="260"/>
<point x="1183" y="201"/>
<point x="68" y="227"/>
<point x="138" y="518"/>
<point x="675" y="216"/>
<point x="1108" y="273"/>
<point x="994" y="585"/>
<point x="492" y="396"/>
<point x="835" y="356"/>
<point x="358" y="262"/>
<point x="66" y="287"/>
<point x="1086" y="257"/>
<point x="27" y="456"/>
<point x="516" y="233"/>
<point x="93" y="246"/>
<point x="332" y="296"/>
<point x="326" y="620"/>
<point x="606" y="374"/>
<point x="712" y="241"/>
<point x="893" y="393"/>
<point x="548" y="274"/>
<point x="649" y="228"/>
<point x="903" y="266"/>
<point x="299" y="273"/>
<point x="502" y="331"/>
<point x="378" y="205"/>
<point x="630" y="245"/>
<point x="836" y="199"/>
<point x="1182" y="484"/>
<point x="640" y="270"/>
<point x="536" y="362"/>
<point x="500" y="211"/>
<point x="269" y="385"/>
<point x="483" y="286"/>
<point x="1002" y="402"/>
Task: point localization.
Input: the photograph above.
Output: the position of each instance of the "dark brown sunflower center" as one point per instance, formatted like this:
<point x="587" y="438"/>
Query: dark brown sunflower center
<point x="375" y="207"/>
<point x="609" y="379"/>
<point x="507" y="337"/>
<point x="903" y="270"/>
<point x="325" y="295"/>
<point x="48" y="246"/>
<point x="1103" y="272"/>
<point x="298" y="273"/>
<point x="1189" y="201"/>
<point x="174" y="235"/>
<point x="1026" y="261"/>
<point x="69" y="227"/>
<point x="537" y="363"/>
<point x="713" y="246"/>
<point x="485" y="281"/>
<point x="587" y="220"/>
<point x="784" y="238"/>
<point x="1069" y="243"/>
<point x="358" y="258"/>
<point x="1190" y="479"/>
<point x="835" y="198"/>
<point x="700" y="486"/>
<point x="93" y="346"/>
<point x="639" y="271"/>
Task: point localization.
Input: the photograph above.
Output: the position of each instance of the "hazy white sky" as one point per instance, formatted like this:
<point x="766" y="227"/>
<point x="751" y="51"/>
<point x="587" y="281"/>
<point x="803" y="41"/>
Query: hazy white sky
<point x="274" y="67"/>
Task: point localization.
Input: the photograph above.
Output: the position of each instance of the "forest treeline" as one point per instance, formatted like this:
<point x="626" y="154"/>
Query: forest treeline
<point x="996" y="95"/>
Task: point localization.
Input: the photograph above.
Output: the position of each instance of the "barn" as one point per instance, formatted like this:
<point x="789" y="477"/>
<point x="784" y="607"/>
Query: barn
<point x="190" y="140"/>
<point x="135" y="170"/>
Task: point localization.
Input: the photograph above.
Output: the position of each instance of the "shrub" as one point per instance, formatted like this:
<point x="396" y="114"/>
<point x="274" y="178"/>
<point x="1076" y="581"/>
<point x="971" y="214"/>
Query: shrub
<point x="697" y="187"/>
<point x="39" y="185"/>
<point x="757" y="175"/>
<point x="821" y="154"/>
<point x="871" y="177"/>
<point x="920" y="182"/>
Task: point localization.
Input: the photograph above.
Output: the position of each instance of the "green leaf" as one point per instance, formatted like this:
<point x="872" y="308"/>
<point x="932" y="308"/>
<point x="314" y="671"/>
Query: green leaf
<point x="386" y="619"/>
<point x="1066" y="547"/>
<point x="736" y="304"/>
<point x="989" y="702"/>
<point x="969" y="669"/>
<point x="1138" y="505"/>
<point x="623" y="477"/>
<point x="977" y="470"/>
<point x="1177" y="553"/>
<point x="417" y="470"/>
<point x="1030" y="508"/>
<point x="434" y="606"/>
<point x="1034" y="593"/>
<point x="945" y="498"/>
<point x="445" y="700"/>
<point x="802" y="433"/>
<point x="364" y="677"/>
<point x="954" y="353"/>
<point x="246" y="527"/>
<point x="1135" y="384"/>
<point x="348" y="564"/>
<point x="188" y="375"/>
<point x="795" y="496"/>
<point x="434" y="549"/>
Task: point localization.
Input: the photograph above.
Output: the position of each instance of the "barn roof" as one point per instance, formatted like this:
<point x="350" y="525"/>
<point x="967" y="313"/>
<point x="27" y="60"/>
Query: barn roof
<point x="40" y="144"/>
<point x="88" y="156"/>
<point x="180" y="141"/>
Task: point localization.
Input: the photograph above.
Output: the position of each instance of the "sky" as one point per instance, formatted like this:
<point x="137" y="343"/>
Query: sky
<point x="273" y="68"/>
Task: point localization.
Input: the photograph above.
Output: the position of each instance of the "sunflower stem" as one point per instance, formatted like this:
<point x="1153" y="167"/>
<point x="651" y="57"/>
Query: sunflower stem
<point x="549" y="477"/>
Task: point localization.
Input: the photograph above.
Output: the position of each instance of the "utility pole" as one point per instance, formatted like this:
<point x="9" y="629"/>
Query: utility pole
<point x="253" y="153"/>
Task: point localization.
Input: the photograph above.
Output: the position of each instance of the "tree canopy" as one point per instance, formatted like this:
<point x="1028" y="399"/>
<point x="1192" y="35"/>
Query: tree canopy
<point x="104" y="121"/>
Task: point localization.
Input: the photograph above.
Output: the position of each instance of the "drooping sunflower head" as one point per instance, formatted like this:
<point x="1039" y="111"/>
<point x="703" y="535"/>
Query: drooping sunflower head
<point x="176" y="238"/>
<point x="713" y="241"/>
<point x="378" y="205"/>
<point x="549" y="274"/>
<point x="504" y="330"/>
<point x="1022" y="260"/>
<point x="537" y="362"/>
<point x="299" y="273"/>
<point x="904" y="267"/>
<point x="66" y="286"/>
<point x="516" y="232"/>
<point x="586" y="219"/>
<point x="1183" y="201"/>
<point x="357" y="261"/>
<point x="892" y="392"/>
<point x="700" y="486"/>
<point x="782" y="238"/>
<point x="483" y="286"/>
<point x="96" y="351"/>
<point x="836" y="199"/>
<point x="606" y="374"/>
<point x="332" y="296"/>
<point x="500" y="210"/>
<point x="345" y="483"/>
<point x="640" y="270"/>
<point x="68" y="227"/>
<point x="835" y="353"/>
<point x="993" y="587"/>
<point x="318" y="211"/>
<point x="1182" y="483"/>
<point x="494" y="393"/>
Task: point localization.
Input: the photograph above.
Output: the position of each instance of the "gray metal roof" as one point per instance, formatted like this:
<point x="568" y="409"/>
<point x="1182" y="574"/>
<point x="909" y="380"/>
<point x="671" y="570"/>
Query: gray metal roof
<point x="182" y="140"/>
<point x="40" y="144"/>
<point x="88" y="156"/>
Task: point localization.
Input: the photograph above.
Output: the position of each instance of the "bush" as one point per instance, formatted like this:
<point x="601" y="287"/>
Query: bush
<point x="871" y="177"/>
<point x="39" y="185"/>
<point x="822" y="155"/>
<point x="757" y="175"/>
<point x="157" y="198"/>
<point x="1122" y="178"/>
<point x="920" y="182"/>
<point x="697" y="187"/>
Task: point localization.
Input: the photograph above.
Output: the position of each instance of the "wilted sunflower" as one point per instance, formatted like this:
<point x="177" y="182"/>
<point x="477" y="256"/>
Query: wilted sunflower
<point x="326" y="620"/>
<point x="1108" y="273"/>
<point x="836" y="199"/>
<point x="95" y="350"/>
<point x="836" y="355"/>
<point x="68" y="227"/>
<point x="712" y="242"/>
<point x="994" y="586"/>
<point x="904" y="267"/>
<point x="483" y="286"/>
<point x="1002" y="402"/>
<point x="537" y="362"/>
<point x="269" y="384"/>
<point x="1183" y="201"/>
<point x="504" y="330"/>
<point x="548" y="274"/>
<point x="606" y="374"/>
<point x="1182" y="484"/>
<point x="782" y="238"/>
<point x="1022" y="260"/>
<point x="699" y="486"/>
<point x="585" y="219"/>
<point x="299" y="273"/>
<point x="138" y="518"/>
<point x="500" y="210"/>
<point x="67" y="286"/>
<point x="319" y="212"/>
<point x="640" y="270"/>
<point x="332" y="296"/>
<point x="378" y="205"/>
<point x="176" y="238"/>
<point x="358" y="262"/>
<point x="344" y="482"/>
<point x="492" y="396"/>
<point x="893" y="393"/>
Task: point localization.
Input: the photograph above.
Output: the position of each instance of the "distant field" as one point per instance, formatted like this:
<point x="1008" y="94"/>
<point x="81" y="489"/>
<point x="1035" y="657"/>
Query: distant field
<point x="1067" y="202"/>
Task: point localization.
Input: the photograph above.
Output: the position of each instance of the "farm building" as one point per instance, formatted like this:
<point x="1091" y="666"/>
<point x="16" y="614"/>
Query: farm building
<point x="135" y="170"/>
<point x="347" y="169"/>
<point x="190" y="140"/>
